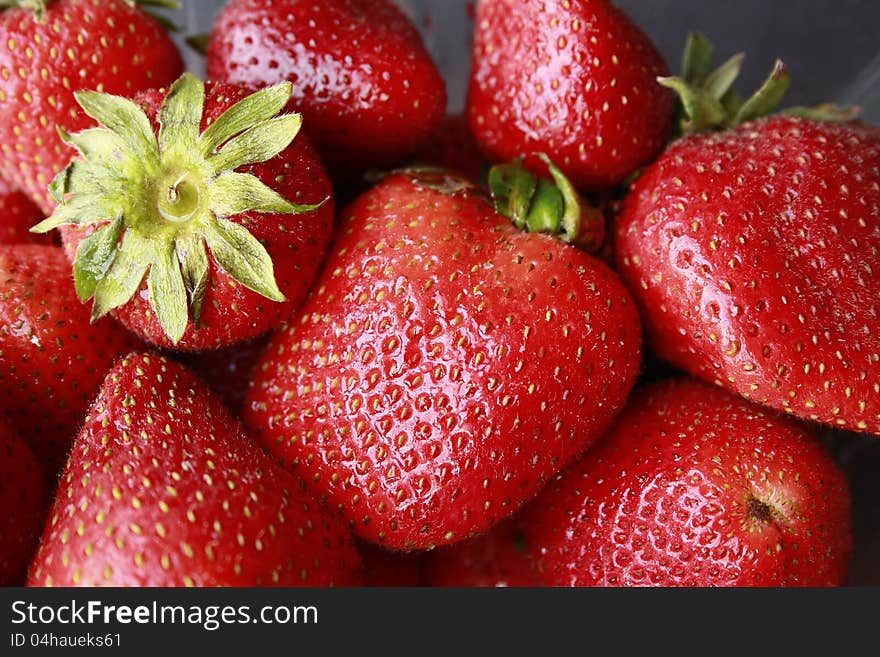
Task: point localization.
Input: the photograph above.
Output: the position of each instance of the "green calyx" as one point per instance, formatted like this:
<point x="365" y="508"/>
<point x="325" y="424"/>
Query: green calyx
<point x="161" y="204"/>
<point x="707" y="100"/>
<point x="541" y="205"/>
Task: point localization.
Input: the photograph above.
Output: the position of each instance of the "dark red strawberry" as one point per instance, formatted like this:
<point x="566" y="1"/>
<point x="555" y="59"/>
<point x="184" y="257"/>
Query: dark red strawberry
<point x="52" y="48"/>
<point x="52" y="361"/>
<point x="228" y="371"/>
<point x="447" y="364"/>
<point x="205" y="224"/>
<point x="385" y="568"/>
<point x="694" y="486"/>
<point x="163" y="488"/>
<point x="17" y="215"/>
<point x="496" y="559"/>
<point x="575" y="80"/>
<point x="367" y="88"/>
<point x="754" y="256"/>
<point x="452" y="146"/>
<point x="23" y="498"/>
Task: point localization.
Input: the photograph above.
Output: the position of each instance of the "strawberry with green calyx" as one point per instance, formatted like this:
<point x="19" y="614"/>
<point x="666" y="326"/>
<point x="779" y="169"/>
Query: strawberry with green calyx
<point x="53" y="48"/>
<point x="179" y="220"/>
<point x="707" y="100"/>
<point x="164" y="488"/>
<point x="446" y="366"/>
<point x="752" y="251"/>
<point x="575" y="80"/>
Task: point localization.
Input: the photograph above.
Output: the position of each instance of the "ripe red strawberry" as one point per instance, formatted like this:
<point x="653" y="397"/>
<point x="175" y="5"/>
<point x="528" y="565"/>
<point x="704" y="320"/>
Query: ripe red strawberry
<point x="367" y="88"/>
<point x="754" y="256"/>
<point x="496" y="559"/>
<point x="52" y="48"/>
<point x="163" y="488"/>
<point x="23" y="497"/>
<point x="52" y="361"/>
<point x="694" y="486"/>
<point x="17" y="215"/>
<point x="212" y="223"/>
<point x="445" y="367"/>
<point x="575" y="80"/>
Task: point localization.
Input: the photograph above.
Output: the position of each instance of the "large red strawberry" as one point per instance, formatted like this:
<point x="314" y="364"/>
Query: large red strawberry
<point x="495" y="559"/>
<point x="51" y="49"/>
<point x="362" y="78"/>
<point x="576" y="80"/>
<point x="52" y="361"/>
<point x="753" y="254"/>
<point x="205" y="224"/>
<point x="694" y="486"/>
<point x="18" y="215"/>
<point x="163" y="488"/>
<point x="447" y="364"/>
<point x="23" y="498"/>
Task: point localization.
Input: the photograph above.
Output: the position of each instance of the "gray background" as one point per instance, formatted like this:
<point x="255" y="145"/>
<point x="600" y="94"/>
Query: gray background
<point x="831" y="46"/>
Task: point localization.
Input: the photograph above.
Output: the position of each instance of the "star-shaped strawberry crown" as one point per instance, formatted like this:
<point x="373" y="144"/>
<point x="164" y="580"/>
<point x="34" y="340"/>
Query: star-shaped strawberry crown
<point x="162" y="202"/>
<point x="707" y="100"/>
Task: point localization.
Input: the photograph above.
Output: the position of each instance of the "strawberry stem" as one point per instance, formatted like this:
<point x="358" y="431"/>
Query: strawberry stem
<point x="546" y="205"/>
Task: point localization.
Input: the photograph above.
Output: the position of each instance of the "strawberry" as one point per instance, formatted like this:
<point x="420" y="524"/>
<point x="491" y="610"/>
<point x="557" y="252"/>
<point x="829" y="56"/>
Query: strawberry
<point x="366" y="86"/>
<point x="496" y="559"/>
<point x="227" y="371"/>
<point x="446" y="365"/>
<point x="23" y="496"/>
<point x="163" y="488"/>
<point x="753" y="253"/>
<point x="576" y="80"/>
<point x="384" y="568"/>
<point x="694" y="486"/>
<point x="51" y="49"/>
<point x="204" y="224"/>
<point x="52" y="361"/>
<point x="17" y="214"/>
<point x="452" y="146"/>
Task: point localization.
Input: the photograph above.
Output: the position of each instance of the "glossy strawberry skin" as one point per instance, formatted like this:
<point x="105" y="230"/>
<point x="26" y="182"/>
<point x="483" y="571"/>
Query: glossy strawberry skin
<point x="368" y="90"/>
<point x="23" y="498"/>
<point x="575" y="80"/>
<point x="163" y="488"/>
<point x="694" y="486"/>
<point x="497" y="559"/>
<point x="17" y="215"/>
<point x="753" y="254"/>
<point x="297" y="244"/>
<point x="445" y="367"/>
<point x="78" y="44"/>
<point x="52" y="359"/>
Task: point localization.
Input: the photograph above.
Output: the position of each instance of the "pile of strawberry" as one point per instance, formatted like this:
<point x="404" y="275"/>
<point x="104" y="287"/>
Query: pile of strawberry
<point x="288" y="332"/>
